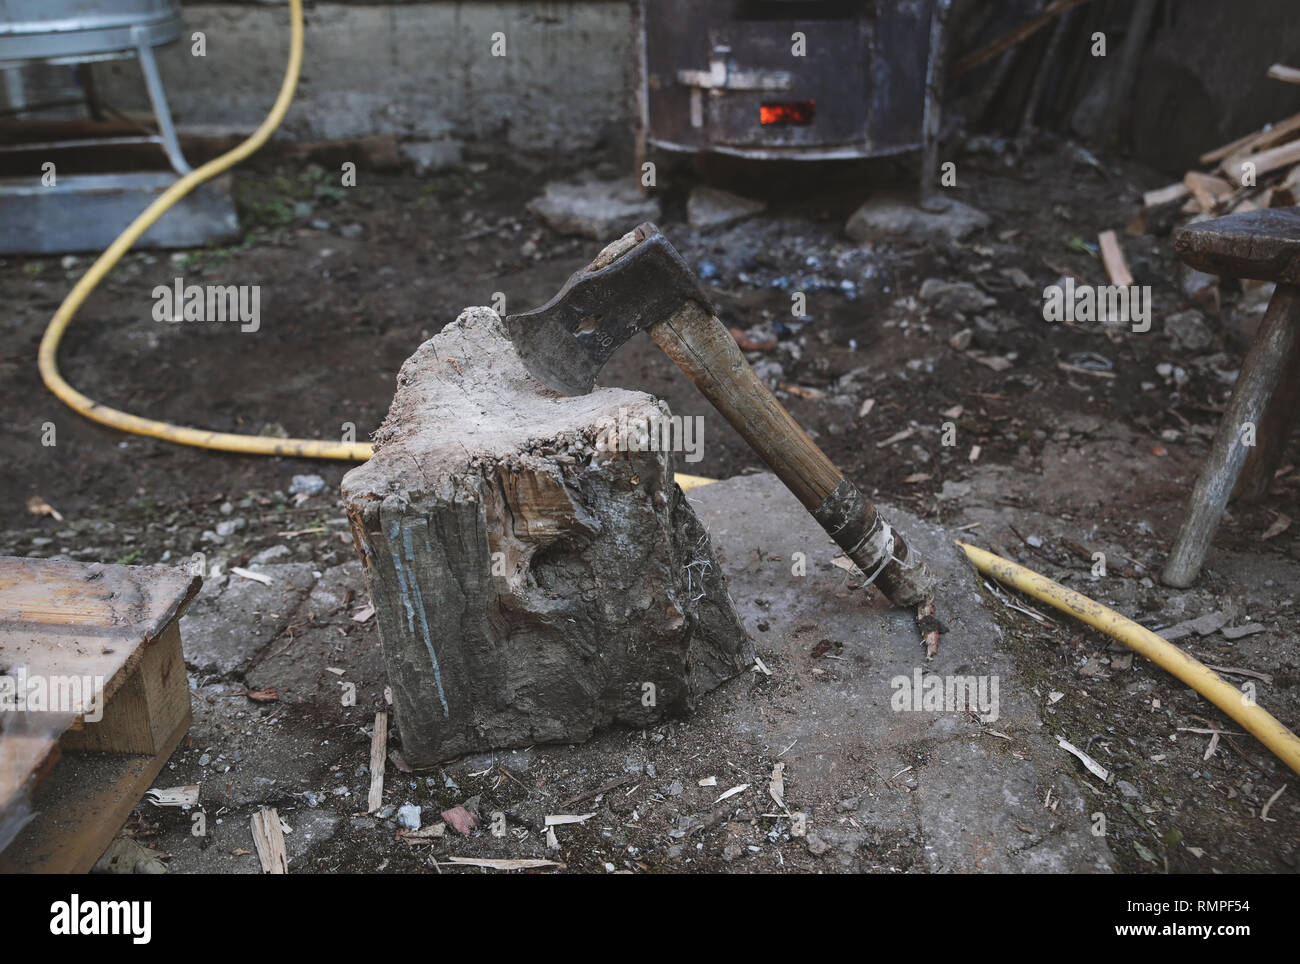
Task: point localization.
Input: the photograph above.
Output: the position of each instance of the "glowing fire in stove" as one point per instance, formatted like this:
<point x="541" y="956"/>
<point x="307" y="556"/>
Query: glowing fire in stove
<point x="798" y="112"/>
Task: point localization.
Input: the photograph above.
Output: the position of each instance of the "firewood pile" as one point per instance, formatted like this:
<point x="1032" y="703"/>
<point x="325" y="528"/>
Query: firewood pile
<point x="1259" y="170"/>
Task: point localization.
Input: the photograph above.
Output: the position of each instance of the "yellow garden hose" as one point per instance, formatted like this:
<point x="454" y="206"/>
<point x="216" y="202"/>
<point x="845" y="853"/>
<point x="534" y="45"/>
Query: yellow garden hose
<point x="223" y="441"/>
<point x="1257" y="721"/>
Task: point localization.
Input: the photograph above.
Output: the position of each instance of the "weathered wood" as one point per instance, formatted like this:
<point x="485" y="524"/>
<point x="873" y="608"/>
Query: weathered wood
<point x="1265" y="137"/>
<point x="1260" y="375"/>
<point x="535" y="577"/>
<point x="1262" y="245"/>
<point x="703" y="348"/>
<point x="104" y="643"/>
<point x="378" y="758"/>
<point x="1208" y="190"/>
<point x="268" y="839"/>
<point x="1112" y="258"/>
<point x="1274" y="430"/>
<point x="1288" y="75"/>
<point x="1272" y="159"/>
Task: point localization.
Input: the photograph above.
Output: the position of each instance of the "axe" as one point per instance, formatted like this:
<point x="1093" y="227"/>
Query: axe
<point x="640" y="282"/>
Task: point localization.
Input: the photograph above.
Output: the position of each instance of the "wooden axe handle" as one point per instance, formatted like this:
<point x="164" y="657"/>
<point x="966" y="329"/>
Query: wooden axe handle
<point x="703" y="348"/>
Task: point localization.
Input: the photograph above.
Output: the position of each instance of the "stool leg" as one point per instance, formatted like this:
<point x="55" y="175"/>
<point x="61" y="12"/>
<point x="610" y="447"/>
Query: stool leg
<point x="1260" y="374"/>
<point x="1275" y="427"/>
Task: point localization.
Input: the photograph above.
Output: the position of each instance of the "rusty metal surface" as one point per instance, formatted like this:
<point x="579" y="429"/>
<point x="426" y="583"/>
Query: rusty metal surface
<point x="565" y="343"/>
<point x="711" y="66"/>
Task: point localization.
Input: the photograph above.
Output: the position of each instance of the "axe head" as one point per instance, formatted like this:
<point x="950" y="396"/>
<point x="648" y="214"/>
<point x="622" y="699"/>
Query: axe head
<point x="637" y="281"/>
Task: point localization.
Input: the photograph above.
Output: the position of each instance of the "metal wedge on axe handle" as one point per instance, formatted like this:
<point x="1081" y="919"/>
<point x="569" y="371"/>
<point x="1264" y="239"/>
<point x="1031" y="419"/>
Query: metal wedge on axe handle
<point x="640" y="282"/>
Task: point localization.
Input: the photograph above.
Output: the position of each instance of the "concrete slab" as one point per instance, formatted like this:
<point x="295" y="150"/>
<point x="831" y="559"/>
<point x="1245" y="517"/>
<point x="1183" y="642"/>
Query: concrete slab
<point x="971" y="799"/>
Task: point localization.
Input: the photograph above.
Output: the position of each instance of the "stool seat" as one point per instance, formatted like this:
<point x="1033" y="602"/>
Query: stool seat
<point x="1259" y="245"/>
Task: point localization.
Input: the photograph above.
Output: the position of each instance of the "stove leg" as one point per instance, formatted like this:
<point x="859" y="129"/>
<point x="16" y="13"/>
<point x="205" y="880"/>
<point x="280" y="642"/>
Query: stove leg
<point x="158" y="99"/>
<point x="931" y="121"/>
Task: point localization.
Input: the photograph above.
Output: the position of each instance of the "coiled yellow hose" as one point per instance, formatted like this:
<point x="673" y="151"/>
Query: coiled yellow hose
<point x="1258" y="722"/>
<point x="223" y="441"/>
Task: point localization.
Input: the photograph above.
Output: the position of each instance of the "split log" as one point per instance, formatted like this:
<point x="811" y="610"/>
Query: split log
<point x="535" y="577"/>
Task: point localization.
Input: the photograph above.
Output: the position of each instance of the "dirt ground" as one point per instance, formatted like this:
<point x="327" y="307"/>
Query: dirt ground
<point x="1097" y="456"/>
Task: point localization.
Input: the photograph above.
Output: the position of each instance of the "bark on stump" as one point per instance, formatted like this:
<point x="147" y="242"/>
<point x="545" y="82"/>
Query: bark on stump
<point x="531" y="584"/>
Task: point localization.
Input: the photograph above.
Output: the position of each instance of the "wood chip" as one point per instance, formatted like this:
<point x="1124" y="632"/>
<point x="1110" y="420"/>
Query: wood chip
<point x="1112" y="257"/>
<point x="866" y="408"/>
<point x="268" y="838"/>
<point x="38" y="506"/>
<point x="1095" y="768"/>
<point x="561" y="819"/>
<point x="174" y="796"/>
<point x="776" y="785"/>
<point x="708" y="782"/>
<point x="1263" y="813"/>
<point x="897" y="437"/>
<point x="1279" y="526"/>
<point x="363" y="615"/>
<point x="1288" y="75"/>
<point x="732" y="792"/>
<point x="378" y="756"/>
<point x="505" y="864"/>
<point x="1166" y="195"/>
<point x="247" y="574"/>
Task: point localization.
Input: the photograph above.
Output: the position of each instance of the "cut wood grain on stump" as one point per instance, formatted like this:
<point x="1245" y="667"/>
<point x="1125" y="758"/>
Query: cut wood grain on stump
<point x="535" y="576"/>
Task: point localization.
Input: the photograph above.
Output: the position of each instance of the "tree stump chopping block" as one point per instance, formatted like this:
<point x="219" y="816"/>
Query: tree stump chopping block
<point x="536" y="572"/>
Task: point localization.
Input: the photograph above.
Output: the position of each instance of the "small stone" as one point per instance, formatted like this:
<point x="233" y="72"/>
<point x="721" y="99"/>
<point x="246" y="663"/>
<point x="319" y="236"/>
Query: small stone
<point x="898" y="219"/>
<point x="1237" y="632"/>
<point x="954" y="296"/>
<point x="731" y="851"/>
<point x="427" y="157"/>
<point x="1189" y="330"/>
<point x="273" y="554"/>
<point x="710" y="207"/>
<point x="306" y="485"/>
<point x="228" y="527"/>
<point x="1128" y="789"/>
<point x="408" y="816"/>
<point x="599" y="210"/>
<point x="961" y="341"/>
<point x="816" y="845"/>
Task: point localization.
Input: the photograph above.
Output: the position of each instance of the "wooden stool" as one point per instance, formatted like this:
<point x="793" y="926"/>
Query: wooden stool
<point x="1263" y="246"/>
<point x="61" y="624"/>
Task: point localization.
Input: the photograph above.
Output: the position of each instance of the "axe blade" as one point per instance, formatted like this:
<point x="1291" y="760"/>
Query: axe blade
<point x="634" y="283"/>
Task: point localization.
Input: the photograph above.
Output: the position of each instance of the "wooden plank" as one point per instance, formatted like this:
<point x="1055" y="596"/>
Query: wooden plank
<point x="100" y="646"/>
<point x="81" y="806"/>
<point x="1012" y="37"/>
<point x="1265" y="161"/>
<point x="1165" y="195"/>
<point x="268" y="838"/>
<point x="1288" y="75"/>
<point x="1265" y="137"/>
<point x="143" y="713"/>
<point x="1208" y="190"/>
<point x="1112" y="256"/>
<point x="378" y="756"/>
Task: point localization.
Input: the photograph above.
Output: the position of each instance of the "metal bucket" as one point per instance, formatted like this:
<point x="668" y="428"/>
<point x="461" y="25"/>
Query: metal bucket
<point x="74" y="31"/>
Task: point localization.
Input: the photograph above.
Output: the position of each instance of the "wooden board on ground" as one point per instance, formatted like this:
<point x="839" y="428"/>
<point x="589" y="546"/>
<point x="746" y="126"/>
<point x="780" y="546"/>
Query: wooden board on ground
<point x="103" y="644"/>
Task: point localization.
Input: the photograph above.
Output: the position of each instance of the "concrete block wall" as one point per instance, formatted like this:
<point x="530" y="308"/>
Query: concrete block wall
<point x="423" y="71"/>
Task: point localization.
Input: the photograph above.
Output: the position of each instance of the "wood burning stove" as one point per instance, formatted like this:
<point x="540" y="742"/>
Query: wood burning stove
<point x="788" y="79"/>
